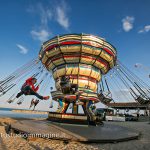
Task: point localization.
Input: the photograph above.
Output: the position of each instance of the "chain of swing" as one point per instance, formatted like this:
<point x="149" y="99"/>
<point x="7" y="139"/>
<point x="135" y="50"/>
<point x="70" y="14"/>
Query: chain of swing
<point x="22" y="75"/>
<point x="14" y="81"/>
<point x="138" y="89"/>
<point x="10" y="82"/>
<point x="121" y="76"/>
<point x="105" y="95"/>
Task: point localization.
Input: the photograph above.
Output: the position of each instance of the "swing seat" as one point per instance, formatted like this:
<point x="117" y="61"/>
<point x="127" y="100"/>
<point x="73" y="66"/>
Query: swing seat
<point x="100" y="96"/>
<point x="72" y="97"/>
<point x="1" y="89"/>
<point x="32" y="103"/>
<point x="51" y="105"/>
<point x="19" y="103"/>
<point x="105" y="99"/>
<point x="36" y="102"/>
<point x="141" y="100"/>
<point x="66" y="90"/>
<point x="10" y="101"/>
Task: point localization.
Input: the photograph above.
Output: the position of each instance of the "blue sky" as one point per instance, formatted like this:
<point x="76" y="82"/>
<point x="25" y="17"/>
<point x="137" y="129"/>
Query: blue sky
<point x="25" y="24"/>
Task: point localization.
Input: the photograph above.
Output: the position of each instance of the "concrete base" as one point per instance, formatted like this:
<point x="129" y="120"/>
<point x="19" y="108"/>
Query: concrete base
<point x="82" y="133"/>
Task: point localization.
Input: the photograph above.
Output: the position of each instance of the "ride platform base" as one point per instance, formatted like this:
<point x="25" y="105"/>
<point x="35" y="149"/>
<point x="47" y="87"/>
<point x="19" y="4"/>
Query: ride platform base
<point x="72" y="132"/>
<point x="68" y="118"/>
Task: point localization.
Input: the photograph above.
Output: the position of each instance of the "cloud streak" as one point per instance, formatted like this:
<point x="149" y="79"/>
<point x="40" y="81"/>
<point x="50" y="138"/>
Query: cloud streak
<point x="47" y="15"/>
<point x="145" y="29"/>
<point x="23" y="50"/>
<point x="127" y="23"/>
<point x="41" y="35"/>
<point x="44" y="13"/>
<point x="61" y="16"/>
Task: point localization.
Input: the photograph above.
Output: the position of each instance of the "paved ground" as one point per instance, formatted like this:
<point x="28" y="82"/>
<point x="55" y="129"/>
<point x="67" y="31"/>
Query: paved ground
<point x="18" y="143"/>
<point x="143" y="143"/>
<point x="103" y="133"/>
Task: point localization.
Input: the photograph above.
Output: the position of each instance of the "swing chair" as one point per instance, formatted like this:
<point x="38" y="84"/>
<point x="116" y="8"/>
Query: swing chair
<point x="142" y="100"/>
<point x="43" y="82"/>
<point x="1" y="89"/>
<point x="11" y="99"/>
<point x="34" y="102"/>
<point x="51" y="104"/>
<point x="20" y="101"/>
<point x="105" y="96"/>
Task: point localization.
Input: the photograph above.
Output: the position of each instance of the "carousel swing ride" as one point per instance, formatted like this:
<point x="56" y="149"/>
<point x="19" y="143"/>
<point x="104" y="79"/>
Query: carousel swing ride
<point x="83" y="59"/>
<point x="84" y="69"/>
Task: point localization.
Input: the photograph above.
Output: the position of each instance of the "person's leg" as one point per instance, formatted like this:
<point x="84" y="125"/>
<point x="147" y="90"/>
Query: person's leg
<point x="62" y="89"/>
<point x="28" y="91"/>
<point x="77" y="97"/>
<point x="89" y="111"/>
<point x="19" y="94"/>
<point x="92" y="116"/>
<point x="24" y="90"/>
<point x="75" y="87"/>
<point x="36" y="94"/>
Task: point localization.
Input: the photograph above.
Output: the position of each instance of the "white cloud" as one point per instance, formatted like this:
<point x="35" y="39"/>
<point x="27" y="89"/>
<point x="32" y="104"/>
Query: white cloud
<point x="61" y="16"/>
<point x="145" y="29"/>
<point x="41" y="32"/>
<point x="127" y="23"/>
<point x="45" y="14"/>
<point x="41" y="35"/>
<point x="23" y="50"/>
<point x="48" y="14"/>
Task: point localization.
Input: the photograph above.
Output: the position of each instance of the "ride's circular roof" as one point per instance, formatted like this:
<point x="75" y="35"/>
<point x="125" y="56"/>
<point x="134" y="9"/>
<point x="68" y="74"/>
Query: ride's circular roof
<point x="78" y="49"/>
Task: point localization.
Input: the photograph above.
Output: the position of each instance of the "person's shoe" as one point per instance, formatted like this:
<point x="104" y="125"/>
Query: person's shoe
<point x="46" y="97"/>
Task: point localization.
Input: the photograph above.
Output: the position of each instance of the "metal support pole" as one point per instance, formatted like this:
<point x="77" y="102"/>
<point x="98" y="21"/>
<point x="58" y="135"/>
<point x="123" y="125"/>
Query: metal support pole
<point x="149" y="113"/>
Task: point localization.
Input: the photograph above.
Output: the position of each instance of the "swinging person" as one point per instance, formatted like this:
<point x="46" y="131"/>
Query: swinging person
<point x="34" y="102"/>
<point x="29" y="88"/>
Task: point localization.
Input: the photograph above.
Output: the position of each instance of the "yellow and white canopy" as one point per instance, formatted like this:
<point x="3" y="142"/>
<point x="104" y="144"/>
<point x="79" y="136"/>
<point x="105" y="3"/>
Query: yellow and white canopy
<point x="82" y="57"/>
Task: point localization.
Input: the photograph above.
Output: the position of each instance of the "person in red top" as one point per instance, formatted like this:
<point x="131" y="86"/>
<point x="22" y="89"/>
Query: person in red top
<point x="31" y="81"/>
<point x="29" y="88"/>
